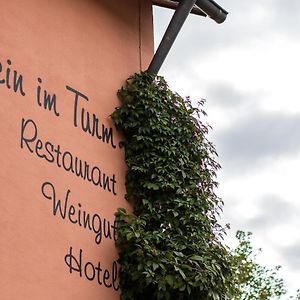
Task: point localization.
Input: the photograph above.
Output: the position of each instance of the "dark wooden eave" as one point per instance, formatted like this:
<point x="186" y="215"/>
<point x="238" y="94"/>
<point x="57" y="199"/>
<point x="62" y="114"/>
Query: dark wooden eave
<point x="174" y="4"/>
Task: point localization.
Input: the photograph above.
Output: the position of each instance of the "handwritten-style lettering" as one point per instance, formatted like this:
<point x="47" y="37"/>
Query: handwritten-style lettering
<point x="14" y="81"/>
<point x="92" y="272"/>
<point x="52" y="153"/>
<point x="90" y="123"/>
<point x="75" y="214"/>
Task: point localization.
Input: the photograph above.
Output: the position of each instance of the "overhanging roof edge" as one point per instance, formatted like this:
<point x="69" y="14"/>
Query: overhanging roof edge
<point x="174" y="4"/>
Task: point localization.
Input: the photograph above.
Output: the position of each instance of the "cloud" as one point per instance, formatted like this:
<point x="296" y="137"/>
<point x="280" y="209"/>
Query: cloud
<point x="291" y="255"/>
<point x="261" y="17"/>
<point x="285" y="16"/>
<point x="273" y="211"/>
<point x="224" y="95"/>
<point x="257" y="138"/>
<point x="247" y="22"/>
<point x="273" y="214"/>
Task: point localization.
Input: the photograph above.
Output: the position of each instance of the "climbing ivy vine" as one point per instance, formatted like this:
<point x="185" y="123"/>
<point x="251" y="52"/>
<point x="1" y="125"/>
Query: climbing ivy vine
<point x="170" y="245"/>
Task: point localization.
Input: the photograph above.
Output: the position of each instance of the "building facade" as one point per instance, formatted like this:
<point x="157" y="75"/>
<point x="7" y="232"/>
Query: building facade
<point x="62" y="170"/>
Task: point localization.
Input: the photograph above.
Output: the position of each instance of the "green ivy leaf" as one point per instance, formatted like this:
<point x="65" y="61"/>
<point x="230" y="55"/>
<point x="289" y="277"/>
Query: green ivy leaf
<point x="169" y="246"/>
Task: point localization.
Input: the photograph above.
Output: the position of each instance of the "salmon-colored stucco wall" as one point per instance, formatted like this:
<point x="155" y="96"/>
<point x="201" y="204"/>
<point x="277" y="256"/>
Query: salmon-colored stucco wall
<point x="75" y="54"/>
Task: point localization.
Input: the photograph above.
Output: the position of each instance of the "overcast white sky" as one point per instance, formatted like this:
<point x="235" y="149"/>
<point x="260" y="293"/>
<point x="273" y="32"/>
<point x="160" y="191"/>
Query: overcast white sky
<point x="248" y="71"/>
